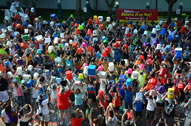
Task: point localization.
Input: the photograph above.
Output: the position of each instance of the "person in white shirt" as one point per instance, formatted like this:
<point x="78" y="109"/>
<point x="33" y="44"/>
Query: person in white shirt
<point x="150" y="109"/>
<point x="4" y="115"/>
<point x="53" y="95"/>
<point x="24" y="118"/>
<point x="35" y="94"/>
<point x="45" y="118"/>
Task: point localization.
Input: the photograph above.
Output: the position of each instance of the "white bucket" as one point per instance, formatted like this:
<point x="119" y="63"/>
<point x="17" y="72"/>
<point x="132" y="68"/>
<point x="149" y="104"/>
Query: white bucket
<point x="36" y="75"/>
<point x="26" y="76"/>
<point x="10" y="75"/>
<point x="111" y="67"/>
<point x="19" y="71"/>
<point x="102" y="74"/>
<point x="30" y="67"/>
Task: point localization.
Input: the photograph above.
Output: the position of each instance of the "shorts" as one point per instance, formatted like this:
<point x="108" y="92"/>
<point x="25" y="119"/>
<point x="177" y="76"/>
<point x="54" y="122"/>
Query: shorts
<point x="160" y="104"/>
<point x="23" y="123"/>
<point x="4" y="96"/>
<point x="45" y="118"/>
<point x="79" y="106"/>
<point x="138" y="114"/>
<point x="53" y="101"/>
<point x="65" y="110"/>
<point x="128" y="106"/>
<point x="149" y="115"/>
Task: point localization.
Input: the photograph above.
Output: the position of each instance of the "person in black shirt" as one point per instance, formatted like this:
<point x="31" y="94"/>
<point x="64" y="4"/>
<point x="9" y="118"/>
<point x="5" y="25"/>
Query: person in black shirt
<point x="168" y="84"/>
<point x="3" y="89"/>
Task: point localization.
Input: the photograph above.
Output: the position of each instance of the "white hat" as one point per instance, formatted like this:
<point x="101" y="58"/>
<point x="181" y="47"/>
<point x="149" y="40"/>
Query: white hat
<point x="154" y="31"/>
<point x="100" y="18"/>
<point x="56" y="40"/>
<point x="135" y="31"/>
<point x="134" y="74"/>
<point x="108" y="19"/>
<point x="158" y="27"/>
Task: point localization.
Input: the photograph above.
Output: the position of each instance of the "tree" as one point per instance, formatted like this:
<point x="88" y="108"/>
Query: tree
<point x="170" y="6"/>
<point x="78" y="8"/>
<point x="95" y="6"/>
<point x="110" y="6"/>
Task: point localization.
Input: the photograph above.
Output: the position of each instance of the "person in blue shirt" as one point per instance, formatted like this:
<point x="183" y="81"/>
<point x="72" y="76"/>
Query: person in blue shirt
<point x="138" y="108"/>
<point x="128" y="97"/>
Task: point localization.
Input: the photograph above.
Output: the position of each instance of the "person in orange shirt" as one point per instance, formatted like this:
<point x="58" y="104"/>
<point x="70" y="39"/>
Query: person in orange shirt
<point x="63" y="102"/>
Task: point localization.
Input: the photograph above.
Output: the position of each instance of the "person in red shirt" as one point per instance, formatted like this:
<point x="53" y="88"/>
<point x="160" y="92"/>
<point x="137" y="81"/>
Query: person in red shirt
<point x="76" y="119"/>
<point x="63" y="102"/>
<point x="116" y="98"/>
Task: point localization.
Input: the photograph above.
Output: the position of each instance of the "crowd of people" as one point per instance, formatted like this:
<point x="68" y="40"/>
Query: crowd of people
<point x="95" y="72"/>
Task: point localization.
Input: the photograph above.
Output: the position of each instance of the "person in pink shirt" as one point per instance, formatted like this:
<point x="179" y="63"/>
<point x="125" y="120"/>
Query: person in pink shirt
<point x="18" y="93"/>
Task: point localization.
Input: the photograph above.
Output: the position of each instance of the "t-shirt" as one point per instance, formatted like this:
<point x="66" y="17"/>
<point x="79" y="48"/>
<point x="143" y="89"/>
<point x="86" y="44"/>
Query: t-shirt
<point x="169" y="108"/>
<point x="78" y="99"/>
<point x="138" y="106"/>
<point x="63" y="99"/>
<point x="35" y="93"/>
<point x="128" y="96"/>
<point x="45" y="109"/>
<point x="150" y="105"/>
<point x="76" y="121"/>
<point x="4" y="116"/>
<point x="17" y="90"/>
